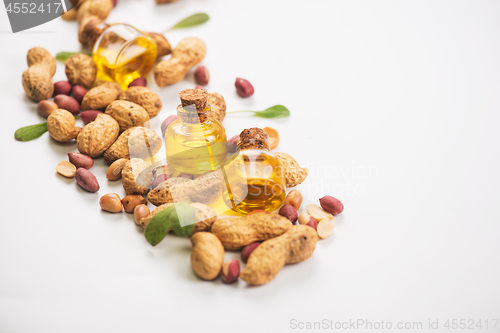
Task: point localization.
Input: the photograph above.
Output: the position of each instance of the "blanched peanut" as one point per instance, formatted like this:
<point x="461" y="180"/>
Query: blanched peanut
<point x="305" y="218"/>
<point x="318" y="213"/>
<point x="274" y="137"/>
<point x="140" y="212"/>
<point x="46" y="107"/>
<point x="66" y="169"/>
<point x="325" y="228"/>
<point x="129" y="202"/>
<point x="294" y="198"/>
<point x="115" y="169"/>
<point x="111" y="203"/>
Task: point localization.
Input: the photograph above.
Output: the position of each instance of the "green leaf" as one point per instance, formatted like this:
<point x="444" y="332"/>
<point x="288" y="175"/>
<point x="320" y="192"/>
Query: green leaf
<point x="191" y="21"/>
<point x="63" y="56"/>
<point x="30" y="132"/>
<point x="159" y="226"/>
<point x="187" y="214"/>
<point x="275" y="111"/>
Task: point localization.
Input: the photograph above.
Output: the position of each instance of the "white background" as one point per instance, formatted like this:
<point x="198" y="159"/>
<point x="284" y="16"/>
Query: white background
<point x="395" y="110"/>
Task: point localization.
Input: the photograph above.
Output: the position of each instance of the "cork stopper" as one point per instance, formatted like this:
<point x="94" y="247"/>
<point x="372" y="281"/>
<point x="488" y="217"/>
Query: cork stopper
<point x="253" y="138"/>
<point x="194" y="107"/>
<point x="197" y="97"/>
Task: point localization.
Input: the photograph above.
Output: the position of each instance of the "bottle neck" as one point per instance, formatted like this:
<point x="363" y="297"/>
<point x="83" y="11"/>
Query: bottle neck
<point x="253" y="144"/>
<point x="255" y="155"/>
<point x="190" y="115"/>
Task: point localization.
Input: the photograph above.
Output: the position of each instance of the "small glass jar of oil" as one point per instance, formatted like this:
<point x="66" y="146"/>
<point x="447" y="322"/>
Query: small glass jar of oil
<point x="255" y="178"/>
<point x="122" y="54"/>
<point x="195" y="143"/>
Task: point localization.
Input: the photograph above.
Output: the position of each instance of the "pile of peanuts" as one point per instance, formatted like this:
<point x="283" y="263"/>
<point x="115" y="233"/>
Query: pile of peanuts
<point x="267" y="241"/>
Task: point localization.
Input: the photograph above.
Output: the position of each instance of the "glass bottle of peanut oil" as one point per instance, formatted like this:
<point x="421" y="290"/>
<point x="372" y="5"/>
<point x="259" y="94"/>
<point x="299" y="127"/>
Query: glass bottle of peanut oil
<point x="255" y="178"/>
<point x="195" y="143"/>
<point x="122" y="54"/>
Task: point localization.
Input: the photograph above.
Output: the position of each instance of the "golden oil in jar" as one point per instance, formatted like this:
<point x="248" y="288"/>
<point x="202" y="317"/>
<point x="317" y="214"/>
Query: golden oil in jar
<point x="122" y="54"/>
<point x="195" y="143"/>
<point x="254" y="180"/>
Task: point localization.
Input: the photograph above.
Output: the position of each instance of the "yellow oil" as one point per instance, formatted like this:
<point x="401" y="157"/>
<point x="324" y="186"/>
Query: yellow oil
<point x="196" y="148"/>
<point x="254" y="181"/>
<point x="124" y="61"/>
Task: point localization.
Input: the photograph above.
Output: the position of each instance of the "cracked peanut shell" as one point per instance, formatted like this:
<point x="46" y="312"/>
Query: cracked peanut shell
<point x="136" y="177"/>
